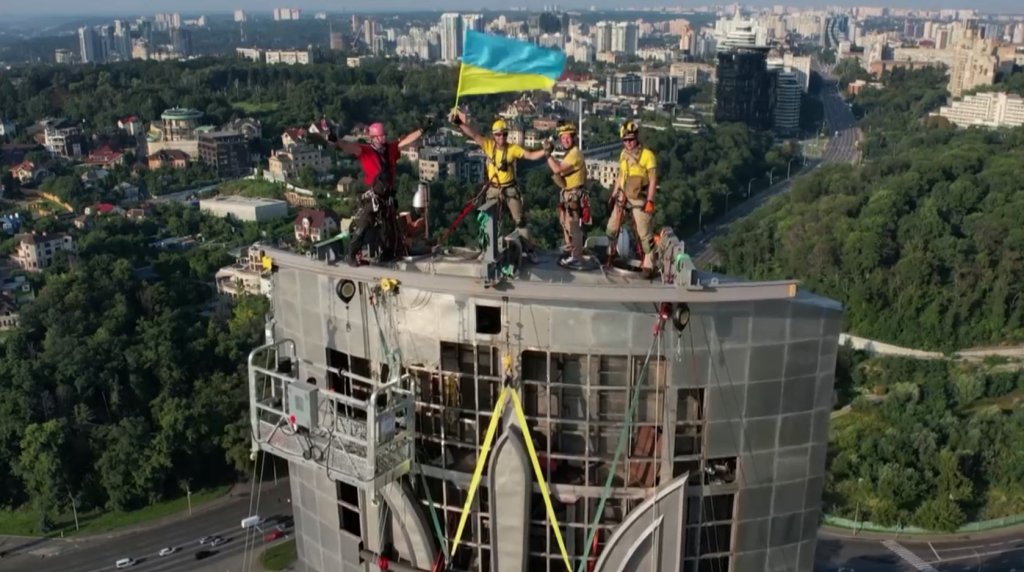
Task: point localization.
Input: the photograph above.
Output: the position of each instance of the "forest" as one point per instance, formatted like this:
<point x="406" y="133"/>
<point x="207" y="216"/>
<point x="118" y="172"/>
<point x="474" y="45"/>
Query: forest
<point x="922" y="243"/>
<point x="125" y="386"/>
<point x="927" y="443"/>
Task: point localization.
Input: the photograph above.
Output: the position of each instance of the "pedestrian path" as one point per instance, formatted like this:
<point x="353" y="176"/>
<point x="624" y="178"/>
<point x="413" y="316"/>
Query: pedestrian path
<point x="911" y="558"/>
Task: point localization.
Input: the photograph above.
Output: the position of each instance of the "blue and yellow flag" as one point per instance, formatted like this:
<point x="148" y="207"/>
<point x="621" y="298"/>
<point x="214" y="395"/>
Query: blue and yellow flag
<point x="493" y="64"/>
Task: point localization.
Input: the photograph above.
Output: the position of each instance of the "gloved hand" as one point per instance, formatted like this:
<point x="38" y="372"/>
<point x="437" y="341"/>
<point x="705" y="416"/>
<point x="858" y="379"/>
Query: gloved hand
<point x="649" y="207"/>
<point x="427" y="125"/>
<point x="548" y="146"/>
<point x="456" y="117"/>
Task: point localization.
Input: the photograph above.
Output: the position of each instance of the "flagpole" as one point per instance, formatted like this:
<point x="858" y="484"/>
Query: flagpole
<point x="458" y="90"/>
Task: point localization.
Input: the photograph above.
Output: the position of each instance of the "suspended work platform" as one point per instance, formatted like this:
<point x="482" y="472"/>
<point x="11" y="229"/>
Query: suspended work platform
<point x="365" y="442"/>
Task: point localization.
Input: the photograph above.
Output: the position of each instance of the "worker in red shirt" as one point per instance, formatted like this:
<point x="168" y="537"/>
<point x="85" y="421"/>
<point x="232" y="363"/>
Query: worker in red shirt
<point x="378" y="160"/>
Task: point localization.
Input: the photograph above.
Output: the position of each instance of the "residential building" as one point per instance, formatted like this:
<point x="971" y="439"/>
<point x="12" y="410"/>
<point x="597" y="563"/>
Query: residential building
<point x="227" y="152"/>
<point x="995" y="109"/>
<point x="603" y="171"/>
<point x="743" y="91"/>
<point x="171" y="158"/>
<point x="692" y="73"/>
<point x="176" y="130"/>
<point x="244" y="208"/>
<point x="105" y="157"/>
<point x="451" y="37"/>
<point x="603" y="37"/>
<point x="786" y="112"/>
<point x="289" y="162"/>
<point x="9" y="317"/>
<point x="27" y="172"/>
<point x="63" y="138"/>
<point x="281" y="14"/>
<point x="315" y="225"/>
<point x="439" y="163"/>
<point x="290" y="57"/>
<point x="624" y="84"/>
<point x="63" y="56"/>
<point x="130" y="124"/>
<point x="974" y="62"/>
<point x="625" y="38"/>
<point x="35" y="251"/>
<point x="249" y="127"/>
<point x="245" y="276"/>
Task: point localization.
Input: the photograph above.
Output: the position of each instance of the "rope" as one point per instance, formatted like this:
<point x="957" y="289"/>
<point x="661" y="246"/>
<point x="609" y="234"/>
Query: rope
<point x="623" y="437"/>
<point x="465" y="211"/>
<point x="433" y="516"/>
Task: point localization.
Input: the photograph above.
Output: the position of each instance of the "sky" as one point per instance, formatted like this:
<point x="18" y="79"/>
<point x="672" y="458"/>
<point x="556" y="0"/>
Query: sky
<point x="135" y="7"/>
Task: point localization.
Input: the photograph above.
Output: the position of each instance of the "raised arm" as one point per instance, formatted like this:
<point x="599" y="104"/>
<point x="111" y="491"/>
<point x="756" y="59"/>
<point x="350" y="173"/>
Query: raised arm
<point x="415" y="135"/>
<point x="410" y="139"/>
<point x="459" y="118"/>
<point x="346" y="146"/>
<point x="535" y="155"/>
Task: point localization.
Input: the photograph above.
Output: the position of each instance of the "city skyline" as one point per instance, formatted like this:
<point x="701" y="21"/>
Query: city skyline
<point x="71" y="8"/>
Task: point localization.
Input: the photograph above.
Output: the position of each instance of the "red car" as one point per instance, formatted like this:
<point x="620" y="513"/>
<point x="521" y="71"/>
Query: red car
<point x="272" y="535"/>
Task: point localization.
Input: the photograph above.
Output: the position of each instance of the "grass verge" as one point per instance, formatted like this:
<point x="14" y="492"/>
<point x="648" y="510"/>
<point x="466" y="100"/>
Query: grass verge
<point x="25" y="521"/>
<point x="279" y="556"/>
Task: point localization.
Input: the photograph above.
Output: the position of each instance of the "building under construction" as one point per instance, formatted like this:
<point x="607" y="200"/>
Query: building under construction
<point x="458" y="412"/>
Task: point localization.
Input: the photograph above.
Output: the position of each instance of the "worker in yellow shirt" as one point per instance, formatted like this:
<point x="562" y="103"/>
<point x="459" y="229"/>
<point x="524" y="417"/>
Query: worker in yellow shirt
<point x="633" y="193"/>
<point x="500" y="162"/>
<point x="570" y="174"/>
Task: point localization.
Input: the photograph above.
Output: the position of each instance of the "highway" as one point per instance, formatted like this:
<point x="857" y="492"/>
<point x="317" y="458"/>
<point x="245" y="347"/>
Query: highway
<point x="841" y="148"/>
<point x="100" y="552"/>
<point x="996" y="553"/>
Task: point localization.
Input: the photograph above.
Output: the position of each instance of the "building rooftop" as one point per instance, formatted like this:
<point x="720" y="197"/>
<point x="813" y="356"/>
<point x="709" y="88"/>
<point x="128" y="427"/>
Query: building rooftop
<point x="181" y="113"/>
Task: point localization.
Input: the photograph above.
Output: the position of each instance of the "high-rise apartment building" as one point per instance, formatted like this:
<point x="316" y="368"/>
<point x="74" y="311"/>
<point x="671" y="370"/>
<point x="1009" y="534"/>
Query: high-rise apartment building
<point x="743" y="92"/>
<point x="451" y="36"/>
<point x="974" y="62"/>
<point x="625" y="38"/>
<point x="603" y="37"/>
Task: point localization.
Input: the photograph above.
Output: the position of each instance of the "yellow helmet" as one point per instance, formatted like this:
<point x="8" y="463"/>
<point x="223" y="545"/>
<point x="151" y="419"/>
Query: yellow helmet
<point x="567" y="127"/>
<point x="499" y="126"/>
<point x="628" y="129"/>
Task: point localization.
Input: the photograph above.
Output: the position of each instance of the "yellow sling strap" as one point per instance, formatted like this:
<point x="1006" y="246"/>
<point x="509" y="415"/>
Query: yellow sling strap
<point x="485" y="449"/>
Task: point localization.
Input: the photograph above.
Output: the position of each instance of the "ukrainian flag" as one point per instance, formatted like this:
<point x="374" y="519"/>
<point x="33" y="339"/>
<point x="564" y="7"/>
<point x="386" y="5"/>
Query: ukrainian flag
<point x="493" y="64"/>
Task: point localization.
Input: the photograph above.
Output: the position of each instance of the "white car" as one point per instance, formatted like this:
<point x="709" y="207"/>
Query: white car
<point x="217" y="541"/>
<point x="168" y="551"/>
<point x="124" y="563"/>
<point x="205" y="539"/>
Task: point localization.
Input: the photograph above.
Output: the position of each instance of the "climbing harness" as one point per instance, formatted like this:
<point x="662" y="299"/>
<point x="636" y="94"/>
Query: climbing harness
<point x="509" y="391"/>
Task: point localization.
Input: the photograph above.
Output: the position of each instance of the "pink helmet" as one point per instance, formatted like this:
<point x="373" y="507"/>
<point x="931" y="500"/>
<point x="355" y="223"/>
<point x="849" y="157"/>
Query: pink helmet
<point x="376" y="130"/>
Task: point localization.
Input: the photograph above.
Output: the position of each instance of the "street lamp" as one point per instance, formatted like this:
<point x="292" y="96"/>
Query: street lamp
<point x="750" y="182"/>
<point x="771" y="177"/>
<point x="789" y="166"/>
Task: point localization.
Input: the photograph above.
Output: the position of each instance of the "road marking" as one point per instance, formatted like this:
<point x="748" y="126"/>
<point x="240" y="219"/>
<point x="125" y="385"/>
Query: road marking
<point x="978" y="555"/>
<point x="934" y="552"/>
<point x="911" y="558"/>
